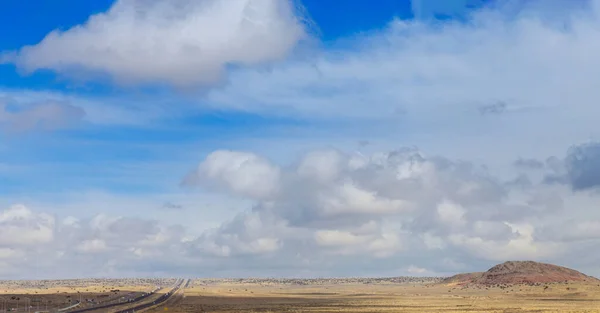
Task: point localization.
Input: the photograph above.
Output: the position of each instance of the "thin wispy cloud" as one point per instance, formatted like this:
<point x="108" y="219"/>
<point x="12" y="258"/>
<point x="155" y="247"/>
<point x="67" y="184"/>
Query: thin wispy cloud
<point x="43" y="116"/>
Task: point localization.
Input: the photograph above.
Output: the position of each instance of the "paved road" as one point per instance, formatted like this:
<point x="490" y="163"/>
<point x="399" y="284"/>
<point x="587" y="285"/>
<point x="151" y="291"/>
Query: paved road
<point x="160" y="300"/>
<point x="106" y="306"/>
<point x="69" y="307"/>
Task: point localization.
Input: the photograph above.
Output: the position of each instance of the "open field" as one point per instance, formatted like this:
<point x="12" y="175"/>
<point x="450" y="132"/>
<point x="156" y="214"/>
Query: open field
<point x="385" y="297"/>
<point x="55" y="294"/>
<point x="316" y="295"/>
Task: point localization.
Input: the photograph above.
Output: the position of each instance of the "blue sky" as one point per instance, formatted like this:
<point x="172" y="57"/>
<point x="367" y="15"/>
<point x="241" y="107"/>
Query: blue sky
<point x="256" y="132"/>
<point x="331" y="23"/>
<point x="134" y="143"/>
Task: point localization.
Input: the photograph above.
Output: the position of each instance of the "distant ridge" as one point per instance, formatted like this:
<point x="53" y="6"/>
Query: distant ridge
<point x="520" y="272"/>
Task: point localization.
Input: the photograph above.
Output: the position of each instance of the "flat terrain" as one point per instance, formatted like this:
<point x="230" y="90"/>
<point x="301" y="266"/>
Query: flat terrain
<point x="385" y="297"/>
<point x="317" y="295"/>
<point x="55" y="294"/>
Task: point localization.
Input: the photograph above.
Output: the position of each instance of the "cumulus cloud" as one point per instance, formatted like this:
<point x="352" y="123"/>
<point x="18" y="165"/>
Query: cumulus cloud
<point x="47" y="115"/>
<point x="92" y="246"/>
<point x="401" y="211"/>
<point x="246" y="234"/>
<point x="324" y="166"/>
<point x="20" y="226"/>
<point x="243" y="172"/>
<point x="333" y="204"/>
<point x="520" y="247"/>
<point x="182" y="42"/>
<point x="71" y="247"/>
<point x="417" y="271"/>
<point x="347" y="243"/>
<point x="579" y="230"/>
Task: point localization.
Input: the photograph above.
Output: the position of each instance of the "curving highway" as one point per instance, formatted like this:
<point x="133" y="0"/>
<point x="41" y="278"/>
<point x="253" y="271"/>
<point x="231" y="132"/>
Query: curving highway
<point x="138" y="299"/>
<point x="158" y="301"/>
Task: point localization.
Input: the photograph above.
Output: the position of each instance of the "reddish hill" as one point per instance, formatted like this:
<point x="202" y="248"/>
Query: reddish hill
<point x="520" y="272"/>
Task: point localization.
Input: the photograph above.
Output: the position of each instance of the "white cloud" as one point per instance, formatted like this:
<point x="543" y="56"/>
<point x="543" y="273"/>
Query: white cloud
<point x="389" y="203"/>
<point x="246" y="234"/>
<point x="422" y="68"/>
<point x="451" y="214"/>
<point x="8" y="253"/>
<point x="232" y="245"/>
<point x="416" y="270"/>
<point x="348" y="198"/>
<point x="19" y="226"/>
<point x="433" y="242"/>
<point x="380" y="245"/>
<point x="323" y="165"/>
<point x="429" y="83"/>
<point x="522" y="247"/>
<point x="92" y="246"/>
<point x="83" y="247"/>
<point x="338" y="238"/>
<point x="245" y="173"/>
<point x="578" y="230"/>
<point x="448" y="210"/>
<point x="71" y="221"/>
<point x="181" y="42"/>
<point x="494" y="83"/>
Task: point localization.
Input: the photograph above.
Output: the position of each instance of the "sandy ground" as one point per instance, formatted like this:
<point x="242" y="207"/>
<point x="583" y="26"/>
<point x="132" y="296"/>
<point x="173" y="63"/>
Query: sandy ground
<point x="580" y="297"/>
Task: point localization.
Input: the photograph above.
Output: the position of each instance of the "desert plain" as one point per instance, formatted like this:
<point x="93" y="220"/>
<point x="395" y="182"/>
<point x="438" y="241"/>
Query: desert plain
<point x="538" y="288"/>
<point x="387" y="297"/>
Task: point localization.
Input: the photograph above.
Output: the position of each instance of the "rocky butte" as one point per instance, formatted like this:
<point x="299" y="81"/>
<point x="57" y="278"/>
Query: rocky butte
<point x="520" y="272"/>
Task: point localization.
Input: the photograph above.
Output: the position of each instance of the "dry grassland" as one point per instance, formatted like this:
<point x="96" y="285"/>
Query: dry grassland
<point x="71" y="290"/>
<point x="62" y="296"/>
<point x="572" y="297"/>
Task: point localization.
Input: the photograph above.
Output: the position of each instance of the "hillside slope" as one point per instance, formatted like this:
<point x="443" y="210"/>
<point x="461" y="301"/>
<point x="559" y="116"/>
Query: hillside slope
<point x="520" y="272"/>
